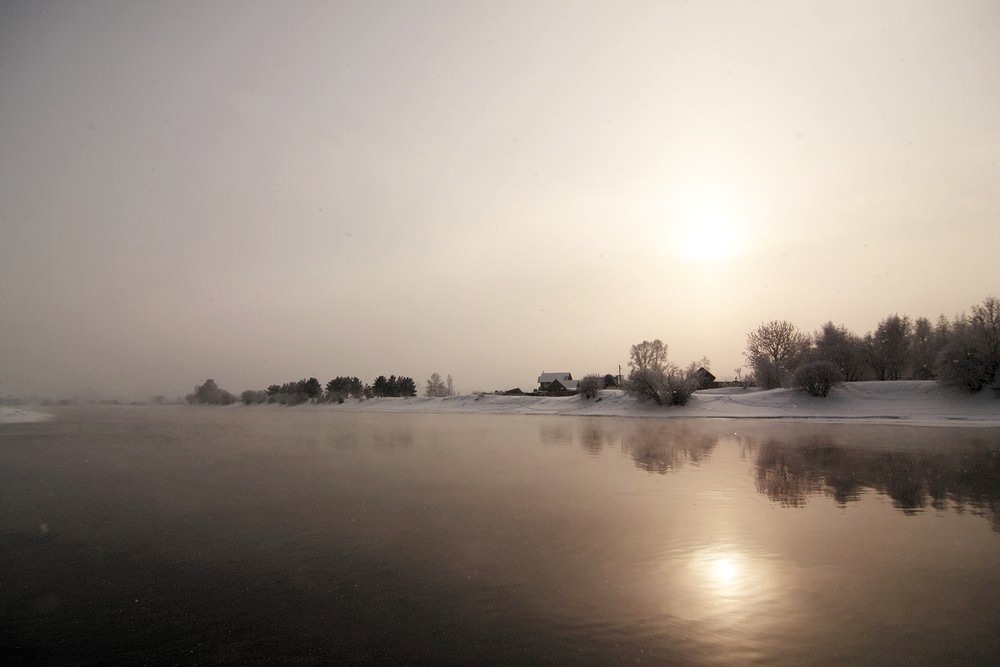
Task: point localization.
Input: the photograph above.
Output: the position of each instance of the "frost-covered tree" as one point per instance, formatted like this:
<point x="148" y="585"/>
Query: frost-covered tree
<point x="963" y="361"/>
<point x="845" y="350"/>
<point x="648" y="368"/>
<point x="887" y="349"/>
<point x="436" y="386"/>
<point x="252" y="396"/>
<point x="682" y="383"/>
<point x="210" y="393"/>
<point x="652" y="378"/>
<point x="922" y="350"/>
<point x="774" y="350"/>
<point x="971" y="357"/>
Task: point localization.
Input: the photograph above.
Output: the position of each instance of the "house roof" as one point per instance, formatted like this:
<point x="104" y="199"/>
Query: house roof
<point x="705" y="373"/>
<point x="545" y="378"/>
<point x="570" y="385"/>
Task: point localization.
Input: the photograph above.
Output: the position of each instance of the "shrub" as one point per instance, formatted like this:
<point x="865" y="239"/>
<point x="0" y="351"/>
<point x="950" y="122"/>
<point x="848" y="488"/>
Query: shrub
<point x="817" y="377"/>
<point x="210" y="393"/>
<point x="679" y="385"/>
<point x="590" y="385"/>
<point x="251" y="396"/>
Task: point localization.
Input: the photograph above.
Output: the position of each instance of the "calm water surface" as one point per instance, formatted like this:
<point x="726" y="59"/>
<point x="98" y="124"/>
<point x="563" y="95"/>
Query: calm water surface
<point x="180" y="535"/>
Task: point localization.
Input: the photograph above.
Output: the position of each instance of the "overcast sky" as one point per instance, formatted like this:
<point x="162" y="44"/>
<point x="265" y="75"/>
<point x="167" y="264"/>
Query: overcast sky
<point x="263" y="191"/>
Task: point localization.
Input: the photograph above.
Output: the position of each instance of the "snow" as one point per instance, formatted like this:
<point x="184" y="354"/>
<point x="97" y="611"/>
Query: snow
<point x="10" y="415"/>
<point x="903" y="402"/>
<point x="909" y="402"/>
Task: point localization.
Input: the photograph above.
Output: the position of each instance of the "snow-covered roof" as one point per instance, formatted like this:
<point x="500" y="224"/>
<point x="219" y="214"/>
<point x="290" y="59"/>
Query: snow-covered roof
<point x="569" y="384"/>
<point x="549" y="377"/>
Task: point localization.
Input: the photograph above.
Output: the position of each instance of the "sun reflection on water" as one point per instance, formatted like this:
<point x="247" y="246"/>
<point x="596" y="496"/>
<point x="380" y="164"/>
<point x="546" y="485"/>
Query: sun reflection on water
<point x="722" y="583"/>
<point x="725" y="571"/>
<point x="728" y="592"/>
<point x="722" y="573"/>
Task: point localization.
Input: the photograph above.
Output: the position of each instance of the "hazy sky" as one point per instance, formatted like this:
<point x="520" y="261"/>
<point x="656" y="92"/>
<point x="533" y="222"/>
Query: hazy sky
<point x="263" y="191"/>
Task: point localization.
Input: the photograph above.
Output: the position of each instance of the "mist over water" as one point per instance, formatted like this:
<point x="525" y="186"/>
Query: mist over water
<point x="179" y="534"/>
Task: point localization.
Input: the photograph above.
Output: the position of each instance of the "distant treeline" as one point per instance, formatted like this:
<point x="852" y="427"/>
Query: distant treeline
<point x="307" y="390"/>
<point x="963" y="351"/>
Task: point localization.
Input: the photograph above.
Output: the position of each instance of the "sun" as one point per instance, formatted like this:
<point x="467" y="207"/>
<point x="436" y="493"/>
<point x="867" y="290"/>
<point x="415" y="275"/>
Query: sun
<point x="709" y="231"/>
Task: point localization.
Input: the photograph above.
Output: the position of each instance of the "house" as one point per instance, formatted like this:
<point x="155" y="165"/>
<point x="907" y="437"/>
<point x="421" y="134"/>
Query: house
<point x="562" y="387"/>
<point x="705" y="379"/>
<point x="563" y="382"/>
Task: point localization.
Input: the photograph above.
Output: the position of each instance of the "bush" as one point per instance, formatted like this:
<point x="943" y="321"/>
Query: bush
<point x="210" y="393"/>
<point x="679" y="385"/>
<point x="590" y="385"/>
<point x="252" y="396"/>
<point x="817" y="377"/>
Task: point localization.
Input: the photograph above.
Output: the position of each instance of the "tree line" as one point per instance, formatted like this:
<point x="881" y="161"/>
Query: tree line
<point x="964" y="351"/>
<point x="311" y="390"/>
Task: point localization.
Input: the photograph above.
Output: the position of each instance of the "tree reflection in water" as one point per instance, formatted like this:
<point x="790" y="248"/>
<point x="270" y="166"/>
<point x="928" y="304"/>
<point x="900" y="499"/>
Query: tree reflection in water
<point x="654" y="448"/>
<point x="915" y="468"/>
<point x="964" y="477"/>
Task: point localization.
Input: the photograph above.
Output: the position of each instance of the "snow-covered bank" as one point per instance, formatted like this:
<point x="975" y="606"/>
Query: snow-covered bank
<point x="921" y="403"/>
<point x="11" y="415"/>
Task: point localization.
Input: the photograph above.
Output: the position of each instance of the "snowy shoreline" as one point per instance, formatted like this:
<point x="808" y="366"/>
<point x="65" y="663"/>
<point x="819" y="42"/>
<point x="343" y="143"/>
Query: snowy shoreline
<point x="922" y="403"/>
<point x="11" y="415"/>
<point x="915" y="403"/>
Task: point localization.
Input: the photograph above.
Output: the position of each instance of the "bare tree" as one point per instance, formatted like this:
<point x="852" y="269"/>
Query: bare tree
<point x="774" y="350"/>
<point x="985" y="322"/>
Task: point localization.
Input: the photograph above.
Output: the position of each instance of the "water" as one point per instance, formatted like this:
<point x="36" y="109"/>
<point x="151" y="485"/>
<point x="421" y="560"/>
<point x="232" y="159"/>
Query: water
<point x="246" y="536"/>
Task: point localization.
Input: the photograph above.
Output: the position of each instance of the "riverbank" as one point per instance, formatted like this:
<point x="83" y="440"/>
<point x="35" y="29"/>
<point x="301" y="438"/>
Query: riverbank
<point x="909" y="402"/>
<point x="922" y="403"/>
<point x="12" y="415"/>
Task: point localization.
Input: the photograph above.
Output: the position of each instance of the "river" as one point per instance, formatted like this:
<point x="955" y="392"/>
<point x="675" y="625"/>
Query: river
<point x="185" y="535"/>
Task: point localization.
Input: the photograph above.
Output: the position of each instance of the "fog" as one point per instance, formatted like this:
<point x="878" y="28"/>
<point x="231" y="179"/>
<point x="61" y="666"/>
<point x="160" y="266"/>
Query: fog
<point x="258" y="192"/>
